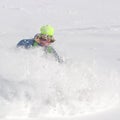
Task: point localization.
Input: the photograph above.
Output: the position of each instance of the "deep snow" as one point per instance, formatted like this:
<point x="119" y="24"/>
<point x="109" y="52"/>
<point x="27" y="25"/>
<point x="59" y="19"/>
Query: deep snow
<point x="86" y="86"/>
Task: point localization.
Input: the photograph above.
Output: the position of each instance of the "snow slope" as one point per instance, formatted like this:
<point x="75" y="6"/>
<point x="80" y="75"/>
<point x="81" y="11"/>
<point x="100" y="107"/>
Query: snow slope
<point x="86" y="86"/>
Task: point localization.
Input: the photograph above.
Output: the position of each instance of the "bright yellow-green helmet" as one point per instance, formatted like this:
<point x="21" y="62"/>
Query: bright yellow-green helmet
<point x="47" y="30"/>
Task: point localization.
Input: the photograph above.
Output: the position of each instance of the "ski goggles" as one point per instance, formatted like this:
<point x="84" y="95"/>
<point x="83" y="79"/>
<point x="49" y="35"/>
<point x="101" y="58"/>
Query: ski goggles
<point x="47" y="38"/>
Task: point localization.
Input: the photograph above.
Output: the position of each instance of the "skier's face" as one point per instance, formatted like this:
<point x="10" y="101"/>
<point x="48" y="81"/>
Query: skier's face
<point x="45" y="42"/>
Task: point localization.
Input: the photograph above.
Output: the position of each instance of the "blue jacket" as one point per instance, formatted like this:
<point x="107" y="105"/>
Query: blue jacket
<point x="26" y="43"/>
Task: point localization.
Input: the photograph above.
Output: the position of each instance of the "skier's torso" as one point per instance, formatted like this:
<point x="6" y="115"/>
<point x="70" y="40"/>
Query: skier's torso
<point x="30" y="43"/>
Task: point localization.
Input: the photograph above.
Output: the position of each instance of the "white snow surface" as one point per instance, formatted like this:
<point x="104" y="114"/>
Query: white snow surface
<point x="86" y="85"/>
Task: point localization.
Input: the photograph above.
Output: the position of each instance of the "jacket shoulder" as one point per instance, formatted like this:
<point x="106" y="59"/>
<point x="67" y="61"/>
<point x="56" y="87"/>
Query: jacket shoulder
<point x="25" y="43"/>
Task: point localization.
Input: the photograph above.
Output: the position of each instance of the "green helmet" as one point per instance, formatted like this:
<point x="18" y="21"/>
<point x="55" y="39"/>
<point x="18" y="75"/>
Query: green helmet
<point x="47" y="30"/>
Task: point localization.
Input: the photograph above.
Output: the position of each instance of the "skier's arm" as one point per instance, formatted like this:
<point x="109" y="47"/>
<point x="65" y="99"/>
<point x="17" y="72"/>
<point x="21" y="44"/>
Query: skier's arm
<point x="50" y="49"/>
<point x="25" y="43"/>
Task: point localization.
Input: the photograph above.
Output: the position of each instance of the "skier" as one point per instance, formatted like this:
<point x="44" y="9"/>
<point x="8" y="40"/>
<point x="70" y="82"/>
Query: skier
<point x="42" y="39"/>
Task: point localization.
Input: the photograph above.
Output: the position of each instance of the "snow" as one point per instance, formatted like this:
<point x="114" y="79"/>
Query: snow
<point x="86" y="85"/>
